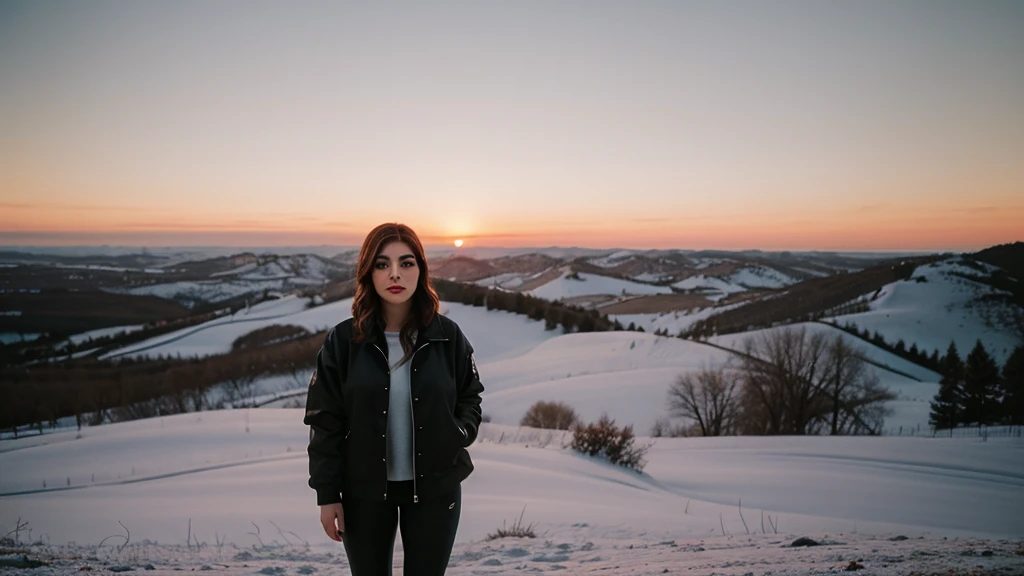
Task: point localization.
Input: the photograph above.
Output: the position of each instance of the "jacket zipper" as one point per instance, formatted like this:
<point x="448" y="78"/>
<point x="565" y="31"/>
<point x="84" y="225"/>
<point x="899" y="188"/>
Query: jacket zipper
<point x="412" y="412"/>
<point x="388" y="364"/>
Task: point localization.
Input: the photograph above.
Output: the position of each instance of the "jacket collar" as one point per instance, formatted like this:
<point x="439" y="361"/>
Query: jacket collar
<point x="433" y="331"/>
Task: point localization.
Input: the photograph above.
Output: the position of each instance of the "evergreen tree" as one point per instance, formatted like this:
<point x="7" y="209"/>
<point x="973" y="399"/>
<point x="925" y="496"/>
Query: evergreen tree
<point x="552" y="316"/>
<point x="946" y="410"/>
<point x="1011" y="386"/>
<point x="981" y="387"/>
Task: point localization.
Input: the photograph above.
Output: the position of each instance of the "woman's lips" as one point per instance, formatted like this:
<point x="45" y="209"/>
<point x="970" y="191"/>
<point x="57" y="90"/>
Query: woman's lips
<point x="395" y="289"/>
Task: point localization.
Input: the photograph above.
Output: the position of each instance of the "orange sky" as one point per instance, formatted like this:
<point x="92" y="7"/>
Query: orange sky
<point x="671" y="125"/>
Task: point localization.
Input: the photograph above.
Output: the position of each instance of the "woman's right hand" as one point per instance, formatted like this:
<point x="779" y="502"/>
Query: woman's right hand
<point x="332" y="518"/>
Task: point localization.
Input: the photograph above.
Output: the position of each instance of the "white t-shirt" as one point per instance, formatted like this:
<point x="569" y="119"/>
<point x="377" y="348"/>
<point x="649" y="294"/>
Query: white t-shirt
<point x="399" y="435"/>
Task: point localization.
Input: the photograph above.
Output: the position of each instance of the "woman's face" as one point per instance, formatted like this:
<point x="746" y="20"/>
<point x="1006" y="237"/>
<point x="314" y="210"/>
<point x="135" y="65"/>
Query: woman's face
<point x="395" y="273"/>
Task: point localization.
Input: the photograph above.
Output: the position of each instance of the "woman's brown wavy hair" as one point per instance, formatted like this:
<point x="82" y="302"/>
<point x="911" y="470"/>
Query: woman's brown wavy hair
<point x="366" y="307"/>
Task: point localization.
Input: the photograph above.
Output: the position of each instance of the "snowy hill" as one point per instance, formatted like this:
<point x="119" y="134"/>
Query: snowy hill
<point x="567" y="286"/>
<point x="253" y="275"/>
<point x="739" y="280"/>
<point x="937" y="305"/>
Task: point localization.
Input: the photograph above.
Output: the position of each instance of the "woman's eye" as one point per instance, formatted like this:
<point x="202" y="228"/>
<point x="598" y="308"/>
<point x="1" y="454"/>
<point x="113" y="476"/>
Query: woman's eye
<point x="381" y="265"/>
<point x="408" y="264"/>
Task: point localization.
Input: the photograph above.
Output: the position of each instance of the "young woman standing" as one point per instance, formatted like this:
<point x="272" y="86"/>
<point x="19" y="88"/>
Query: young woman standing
<point x="392" y="406"/>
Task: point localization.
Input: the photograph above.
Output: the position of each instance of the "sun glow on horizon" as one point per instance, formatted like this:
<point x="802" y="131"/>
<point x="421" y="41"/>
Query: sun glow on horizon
<point x="458" y="243"/>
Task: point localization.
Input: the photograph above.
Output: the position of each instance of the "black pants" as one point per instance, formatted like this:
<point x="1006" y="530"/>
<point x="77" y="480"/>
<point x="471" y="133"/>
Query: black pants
<point x="428" y="531"/>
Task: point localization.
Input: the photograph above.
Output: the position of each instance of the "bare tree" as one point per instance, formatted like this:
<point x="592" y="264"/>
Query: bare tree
<point x="857" y="401"/>
<point x="709" y="398"/>
<point x="800" y="383"/>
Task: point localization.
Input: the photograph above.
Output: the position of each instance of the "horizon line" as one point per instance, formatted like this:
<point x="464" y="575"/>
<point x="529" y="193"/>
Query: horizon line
<point x="449" y="246"/>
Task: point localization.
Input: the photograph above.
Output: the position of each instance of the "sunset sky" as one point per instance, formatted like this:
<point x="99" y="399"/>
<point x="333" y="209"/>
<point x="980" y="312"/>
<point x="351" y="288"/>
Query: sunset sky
<point x="857" y="125"/>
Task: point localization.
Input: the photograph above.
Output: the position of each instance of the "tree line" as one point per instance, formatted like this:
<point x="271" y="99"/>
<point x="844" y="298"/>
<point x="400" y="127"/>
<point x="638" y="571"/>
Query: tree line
<point x="554" y="314"/>
<point x="919" y="356"/>
<point x="95" y="392"/>
<point x="977" y="391"/>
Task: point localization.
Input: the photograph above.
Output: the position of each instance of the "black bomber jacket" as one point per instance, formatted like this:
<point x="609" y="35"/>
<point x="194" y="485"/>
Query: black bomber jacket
<point x="347" y="403"/>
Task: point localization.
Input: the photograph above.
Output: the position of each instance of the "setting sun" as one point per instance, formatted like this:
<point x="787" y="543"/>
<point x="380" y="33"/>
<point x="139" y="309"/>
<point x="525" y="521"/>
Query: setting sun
<point x="458" y="243"/>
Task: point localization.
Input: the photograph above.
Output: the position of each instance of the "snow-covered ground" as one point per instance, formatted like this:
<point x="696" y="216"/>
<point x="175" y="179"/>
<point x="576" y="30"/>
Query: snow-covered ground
<point x="740" y="280"/>
<point x="239" y="476"/>
<point x="612" y="260"/>
<point x="592" y="285"/>
<point x="222" y="472"/>
<point x="103" y="333"/>
<point x="508" y="280"/>
<point x="675" y="321"/>
<point x="202" y="291"/>
<point x="941" y="309"/>
<point x="624" y="374"/>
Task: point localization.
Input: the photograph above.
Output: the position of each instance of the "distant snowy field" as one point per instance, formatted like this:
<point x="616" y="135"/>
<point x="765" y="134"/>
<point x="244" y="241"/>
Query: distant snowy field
<point x="592" y="285"/>
<point x="675" y="321"/>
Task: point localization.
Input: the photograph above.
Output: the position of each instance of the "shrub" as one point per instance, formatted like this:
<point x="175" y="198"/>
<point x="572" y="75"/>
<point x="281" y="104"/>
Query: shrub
<point x="516" y="531"/>
<point x="550" y="415"/>
<point x="604" y="438"/>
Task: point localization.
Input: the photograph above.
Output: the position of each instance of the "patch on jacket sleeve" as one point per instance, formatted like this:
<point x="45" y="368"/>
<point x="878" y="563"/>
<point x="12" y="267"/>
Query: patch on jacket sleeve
<point x="472" y="362"/>
<point x="312" y="378"/>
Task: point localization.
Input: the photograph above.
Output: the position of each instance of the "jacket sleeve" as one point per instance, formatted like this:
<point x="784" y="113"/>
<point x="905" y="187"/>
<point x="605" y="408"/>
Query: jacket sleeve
<point x="325" y="416"/>
<point x="468" y="389"/>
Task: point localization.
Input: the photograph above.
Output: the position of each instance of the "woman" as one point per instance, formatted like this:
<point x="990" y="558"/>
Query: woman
<point x="392" y="405"/>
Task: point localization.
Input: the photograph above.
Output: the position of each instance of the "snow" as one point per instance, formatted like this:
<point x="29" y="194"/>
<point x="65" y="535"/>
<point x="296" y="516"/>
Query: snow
<point x="740" y="280"/>
<point x="812" y="272"/>
<point x="508" y="280"/>
<point x="158" y="475"/>
<point x="493" y="333"/>
<point x="223" y="471"/>
<point x="206" y="291"/>
<point x="103" y="333"/>
<point x="236" y="271"/>
<point x="99" y="267"/>
<point x="761" y="277"/>
<point x="269" y="271"/>
<point x="612" y="260"/>
<point x="15" y="337"/>
<point x="592" y="285"/>
<point x="713" y="283"/>
<point x="702" y="263"/>
<point x="944" y="308"/>
<point x="650" y="277"/>
<point x="874" y="353"/>
<point x="674" y="322"/>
